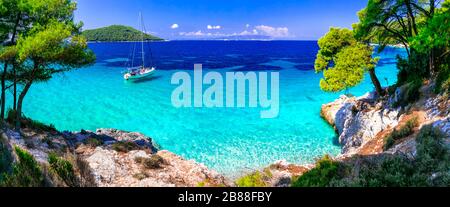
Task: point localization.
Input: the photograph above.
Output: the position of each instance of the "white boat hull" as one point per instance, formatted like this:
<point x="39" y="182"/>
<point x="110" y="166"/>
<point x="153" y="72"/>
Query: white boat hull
<point x="148" y="73"/>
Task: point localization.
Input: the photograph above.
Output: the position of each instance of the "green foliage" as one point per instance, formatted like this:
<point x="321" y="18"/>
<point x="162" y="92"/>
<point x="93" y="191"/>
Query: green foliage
<point x="410" y="94"/>
<point x="322" y="175"/>
<point x="125" y="146"/>
<point x="436" y="33"/>
<point x="404" y="131"/>
<point x="414" y="68"/>
<point x="201" y="184"/>
<point x="331" y="44"/>
<point x="432" y="154"/>
<point x="5" y="160"/>
<point x="116" y="33"/>
<point x="26" y="173"/>
<point x="142" y="176"/>
<point x="154" y="162"/>
<point x="443" y="79"/>
<point x="431" y="167"/>
<point x="47" y="41"/>
<point x="343" y="60"/>
<point x="256" y="179"/>
<point x="49" y="44"/>
<point x="390" y="171"/>
<point x="391" y="21"/>
<point x="27" y="122"/>
<point x="423" y="27"/>
<point x="93" y="142"/>
<point x="63" y="168"/>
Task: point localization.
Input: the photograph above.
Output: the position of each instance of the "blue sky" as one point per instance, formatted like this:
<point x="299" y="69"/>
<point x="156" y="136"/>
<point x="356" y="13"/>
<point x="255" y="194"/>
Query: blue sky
<point x="189" y="19"/>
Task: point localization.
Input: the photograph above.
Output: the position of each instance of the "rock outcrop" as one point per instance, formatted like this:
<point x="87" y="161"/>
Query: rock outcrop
<point x="283" y="172"/>
<point x="358" y="120"/>
<point x="363" y="122"/>
<point x="116" y="169"/>
<point x="141" y="164"/>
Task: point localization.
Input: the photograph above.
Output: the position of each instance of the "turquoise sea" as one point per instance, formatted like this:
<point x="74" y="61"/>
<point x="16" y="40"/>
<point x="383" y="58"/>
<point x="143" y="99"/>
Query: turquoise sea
<point x="229" y="140"/>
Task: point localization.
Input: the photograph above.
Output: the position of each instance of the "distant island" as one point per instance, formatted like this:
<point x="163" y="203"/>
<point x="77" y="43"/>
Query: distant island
<point x="117" y="33"/>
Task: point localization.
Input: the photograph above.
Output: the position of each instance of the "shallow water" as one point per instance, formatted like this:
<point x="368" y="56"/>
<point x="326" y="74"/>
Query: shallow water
<point x="228" y="140"/>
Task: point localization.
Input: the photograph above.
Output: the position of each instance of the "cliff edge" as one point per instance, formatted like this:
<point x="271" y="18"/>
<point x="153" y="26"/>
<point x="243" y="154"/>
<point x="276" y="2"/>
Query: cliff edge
<point x="112" y="158"/>
<point x="363" y="123"/>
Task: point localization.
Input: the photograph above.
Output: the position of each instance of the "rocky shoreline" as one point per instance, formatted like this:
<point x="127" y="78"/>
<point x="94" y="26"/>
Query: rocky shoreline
<point x="363" y="123"/>
<point x="116" y="158"/>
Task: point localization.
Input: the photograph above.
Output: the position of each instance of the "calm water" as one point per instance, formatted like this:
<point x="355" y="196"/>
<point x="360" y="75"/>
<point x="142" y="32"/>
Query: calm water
<point x="228" y="140"/>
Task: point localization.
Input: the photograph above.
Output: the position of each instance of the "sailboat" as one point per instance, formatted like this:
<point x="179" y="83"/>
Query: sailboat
<point x="139" y="72"/>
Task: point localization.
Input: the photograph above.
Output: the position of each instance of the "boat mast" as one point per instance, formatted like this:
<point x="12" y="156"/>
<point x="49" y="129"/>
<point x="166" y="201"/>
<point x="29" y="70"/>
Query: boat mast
<point x="142" y="42"/>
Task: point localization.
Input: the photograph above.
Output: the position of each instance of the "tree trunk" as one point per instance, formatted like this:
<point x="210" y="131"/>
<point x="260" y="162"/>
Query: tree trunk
<point x="376" y="82"/>
<point x="432" y="7"/>
<point x="19" y="104"/>
<point x="431" y="63"/>
<point x="3" y="96"/>
<point x="411" y="17"/>
<point x="14" y="89"/>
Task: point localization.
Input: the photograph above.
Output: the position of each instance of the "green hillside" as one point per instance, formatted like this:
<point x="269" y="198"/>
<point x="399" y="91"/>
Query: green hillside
<point x="117" y="33"/>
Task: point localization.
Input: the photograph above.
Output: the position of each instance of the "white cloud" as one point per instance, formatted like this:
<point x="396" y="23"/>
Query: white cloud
<point x="213" y="27"/>
<point x="174" y="26"/>
<point x="263" y="30"/>
<point x="247" y="25"/>
<point x="198" y="33"/>
<point x="272" y="31"/>
<point x="253" y="32"/>
<point x="202" y="34"/>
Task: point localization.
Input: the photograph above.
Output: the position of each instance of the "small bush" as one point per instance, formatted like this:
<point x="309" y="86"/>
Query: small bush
<point x="432" y="154"/>
<point x="26" y="173"/>
<point x="410" y="94"/>
<point x="322" y="175"/>
<point x="446" y="86"/>
<point x="140" y="176"/>
<point x="443" y="80"/>
<point x="403" y="132"/>
<point x="64" y="169"/>
<point x="431" y="167"/>
<point x="125" y="146"/>
<point x="40" y="126"/>
<point x="93" y="142"/>
<point x="256" y="179"/>
<point x="390" y="172"/>
<point x="86" y="176"/>
<point x="413" y="68"/>
<point x="49" y="142"/>
<point x="5" y="160"/>
<point x="11" y="118"/>
<point x="154" y="162"/>
<point x="210" y="183"/>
